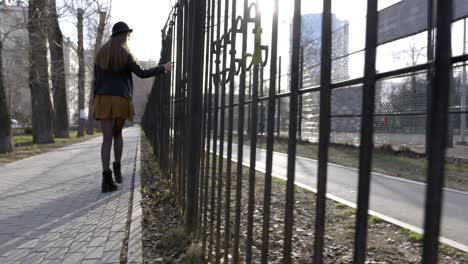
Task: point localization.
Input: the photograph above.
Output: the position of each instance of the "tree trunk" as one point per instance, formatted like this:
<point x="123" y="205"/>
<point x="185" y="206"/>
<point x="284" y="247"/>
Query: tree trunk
<point x="58" y="74"/>
<point x="81" y="74"/>
<point x="99" y="35"/>
<point x="42" y="113"/>
<point x="6" y="142"/>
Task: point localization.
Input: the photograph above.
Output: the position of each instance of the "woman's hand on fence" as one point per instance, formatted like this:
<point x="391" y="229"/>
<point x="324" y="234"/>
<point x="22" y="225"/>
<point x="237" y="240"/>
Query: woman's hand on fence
<point x="169" y="66"/>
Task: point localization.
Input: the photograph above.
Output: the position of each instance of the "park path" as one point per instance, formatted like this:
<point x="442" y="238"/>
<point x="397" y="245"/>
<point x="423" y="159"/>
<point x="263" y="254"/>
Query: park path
<point x="392" y="199"/>
<point x="52" y="209"/>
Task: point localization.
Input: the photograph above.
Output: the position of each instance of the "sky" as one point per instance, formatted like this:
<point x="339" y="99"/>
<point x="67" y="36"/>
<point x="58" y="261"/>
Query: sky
<point x="145" y="17"/>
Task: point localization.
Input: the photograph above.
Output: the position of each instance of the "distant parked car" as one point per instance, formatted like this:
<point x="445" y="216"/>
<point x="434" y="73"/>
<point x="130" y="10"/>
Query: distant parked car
<point x="15" y="124"/>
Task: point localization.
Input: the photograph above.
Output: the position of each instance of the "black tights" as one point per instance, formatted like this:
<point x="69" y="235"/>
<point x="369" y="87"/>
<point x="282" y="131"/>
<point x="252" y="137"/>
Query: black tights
<point x="112" y="130"/>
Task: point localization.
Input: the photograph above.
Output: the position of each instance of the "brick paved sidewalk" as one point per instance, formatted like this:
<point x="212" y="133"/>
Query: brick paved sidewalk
<point x="52" y="209"/>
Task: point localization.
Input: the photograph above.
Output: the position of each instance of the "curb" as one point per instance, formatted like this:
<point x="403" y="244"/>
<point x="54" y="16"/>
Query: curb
<point x="384" y="217"/>
<point x="135" y="244"/>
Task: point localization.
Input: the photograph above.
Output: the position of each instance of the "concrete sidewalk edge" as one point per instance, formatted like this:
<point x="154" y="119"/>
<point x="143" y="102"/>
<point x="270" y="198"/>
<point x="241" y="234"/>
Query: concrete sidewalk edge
<point x="135" y="244"/>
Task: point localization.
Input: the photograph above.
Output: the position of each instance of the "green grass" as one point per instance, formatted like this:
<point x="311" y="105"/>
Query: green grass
<point x="350" y="212"/>
<point x="340" y="205"/>
<point x="27" y="139"/>
<point x="373" y="220"/>
<point x="413" y="236"/>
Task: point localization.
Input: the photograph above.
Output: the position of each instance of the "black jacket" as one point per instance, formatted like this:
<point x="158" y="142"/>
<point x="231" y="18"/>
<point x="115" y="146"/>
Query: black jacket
<point x="121" y="83"/>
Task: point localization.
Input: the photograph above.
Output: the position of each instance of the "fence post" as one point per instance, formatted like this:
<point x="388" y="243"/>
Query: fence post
<point x="324" y="129"/>
<point x="367" y="133"/>
<point x="196" y="109"/>
<point x="292" y="140"/>
<point x="270" y="135"/>
<point x="437" y="119"/>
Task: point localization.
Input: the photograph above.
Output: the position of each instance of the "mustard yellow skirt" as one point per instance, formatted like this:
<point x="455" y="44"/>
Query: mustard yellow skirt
<point x="110" y="107"/>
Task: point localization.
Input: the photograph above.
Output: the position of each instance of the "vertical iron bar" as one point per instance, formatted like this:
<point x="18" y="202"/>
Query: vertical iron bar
<point x="166" y="113"/>
<point x="430" y="57"/>
<point x="180" y="32"/>
<point x="186" y="64"/>
<point x="210" y="121"/>
<point x="205" y="154"/>
<point x="270" y="135"/>
<point x="221" y="134"/>
<point x="262" y="104"/>
<point x="253" y="135"/>
<point x="278" y="122"/>
<point x="463" y="92"/>
<point x="196" y="112"/>
<point x="324" y="129"/>
<point x="232" y="67"/>
<point x="187" y="101"/>
<point x="240" y="135"/>
<point x="367" y="131"/>
<point x="215" y="130"/>
<point x="249" y="107"/>
<point x="438" y="120"/>
<point x="171" y="127"/>
<point x="292" y="137"/>
<point x="301" y="78"/>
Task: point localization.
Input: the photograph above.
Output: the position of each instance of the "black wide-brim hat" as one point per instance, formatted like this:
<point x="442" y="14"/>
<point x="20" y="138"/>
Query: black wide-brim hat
<point x="120" y="27"/>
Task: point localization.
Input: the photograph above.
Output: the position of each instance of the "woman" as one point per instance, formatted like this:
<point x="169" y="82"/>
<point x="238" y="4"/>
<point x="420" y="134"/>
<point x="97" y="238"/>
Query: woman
<point x="113" y="94"/>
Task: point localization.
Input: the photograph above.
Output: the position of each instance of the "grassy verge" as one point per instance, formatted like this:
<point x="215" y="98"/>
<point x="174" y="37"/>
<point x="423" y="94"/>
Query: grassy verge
<point x="24" y="146"/>
<point x="387" y="243"/>
<point x="404" y="163"/>
<point x="164" y="239"/>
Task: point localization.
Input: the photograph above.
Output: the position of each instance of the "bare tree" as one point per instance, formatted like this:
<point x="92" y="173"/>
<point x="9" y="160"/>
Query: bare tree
<point x="82" y="10"/>
<point x="9" y="24"/>
<point x="42" y="114"/>
<point x="6" y="138"/>
<point x="99" y="36"/>
<point x="61" y="129"/>
<point x="81" y="72"/>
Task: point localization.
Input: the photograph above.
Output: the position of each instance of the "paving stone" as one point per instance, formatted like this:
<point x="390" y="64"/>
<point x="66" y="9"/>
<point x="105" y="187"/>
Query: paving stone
<point x="73" y="258"/>
<point x="34" y="257"/>
<point x="50" y="237"/>
<point x="113" y="245"/>
<point x="84" y="236"/>
<point x="69" y="233"/>
<point x="91" y="261"/>
<point x="52" y="261"/>
<point x="97" y="242"/>
<point x="87" y="228"/>
<point x="116" y="236"/>
<point x="17" y="254"/>
<point x="56" y="253"/>
<point x="63" y="242"/>
<point x="63" y="217"/>
<point x="29" y="243"/>
<point x="94" y="253"/>
<point x="101" y="232"/>
<point x="43" y="246"/>
<point x="111" y="257"/>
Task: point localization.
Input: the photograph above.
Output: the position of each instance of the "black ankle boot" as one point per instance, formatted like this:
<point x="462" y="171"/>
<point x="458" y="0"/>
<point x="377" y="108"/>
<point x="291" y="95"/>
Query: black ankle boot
<point x="117" y="172"/>
<point x="108" y="184"/>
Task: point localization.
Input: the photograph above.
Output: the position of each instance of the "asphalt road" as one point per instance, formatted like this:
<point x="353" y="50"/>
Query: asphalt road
<point x="393" y="199"/>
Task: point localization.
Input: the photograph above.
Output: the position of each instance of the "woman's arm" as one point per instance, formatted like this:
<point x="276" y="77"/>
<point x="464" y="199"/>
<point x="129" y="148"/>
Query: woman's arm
<point x="135" y="67"/>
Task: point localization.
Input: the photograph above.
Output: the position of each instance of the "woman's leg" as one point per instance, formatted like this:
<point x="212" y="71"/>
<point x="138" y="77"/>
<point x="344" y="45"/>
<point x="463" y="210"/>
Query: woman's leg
<point x="106" y="126"/>
<point x="118" y="139"/>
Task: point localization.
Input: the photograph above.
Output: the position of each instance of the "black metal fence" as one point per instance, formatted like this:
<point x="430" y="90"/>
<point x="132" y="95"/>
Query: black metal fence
<point x="218" y="94"/>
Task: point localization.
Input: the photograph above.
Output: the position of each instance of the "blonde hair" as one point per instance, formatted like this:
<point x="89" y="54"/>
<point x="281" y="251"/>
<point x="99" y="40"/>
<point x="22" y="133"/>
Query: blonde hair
<point x="113" y="55"/>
